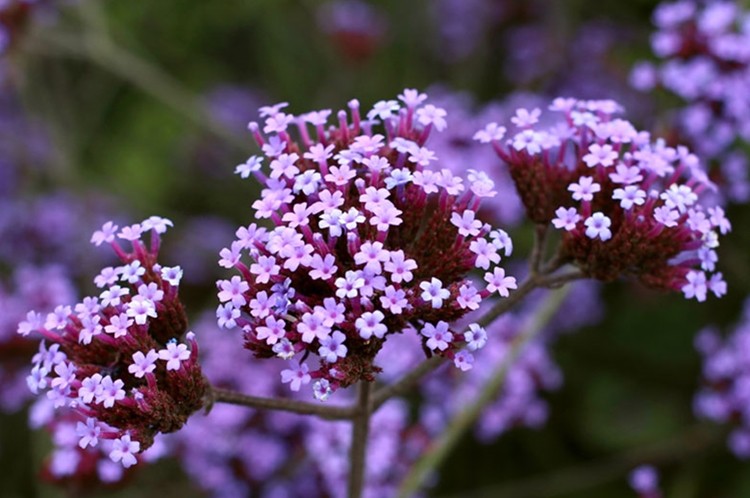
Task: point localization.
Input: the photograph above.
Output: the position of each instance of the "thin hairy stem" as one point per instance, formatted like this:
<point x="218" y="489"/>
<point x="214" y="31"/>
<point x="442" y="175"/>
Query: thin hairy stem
<point x="448" y="439"/>
<point x="360" y="431"/>
<point x="219" y="395"/>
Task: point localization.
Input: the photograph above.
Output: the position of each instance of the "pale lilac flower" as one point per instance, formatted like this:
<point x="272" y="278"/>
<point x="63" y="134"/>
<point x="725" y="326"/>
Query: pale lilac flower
<point x="124" y="450"/>
<point x="498" y="282"/>
<point x="174" y="355"/>
<point x="143" y="364"/>
<point x="438" y="336"/>
<point x="584" y="189"/>
<point x="597" y="226"/>
<point x="369" y="324"/>
<point x="296" y="376"/>
<point x="566" y="218"/>
<point x="434" y="293"/>
<point x="332" y="347"/>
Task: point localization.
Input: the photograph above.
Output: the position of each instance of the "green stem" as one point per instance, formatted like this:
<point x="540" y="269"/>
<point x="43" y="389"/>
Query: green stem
<point x="360" y="431"/>
<point x="448" y="439"/>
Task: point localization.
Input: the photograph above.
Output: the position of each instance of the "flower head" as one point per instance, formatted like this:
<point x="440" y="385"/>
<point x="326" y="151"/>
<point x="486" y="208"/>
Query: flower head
<point x="103" y="365"/>
<point x="627" y="205"/>
<point x="381" y="243"/>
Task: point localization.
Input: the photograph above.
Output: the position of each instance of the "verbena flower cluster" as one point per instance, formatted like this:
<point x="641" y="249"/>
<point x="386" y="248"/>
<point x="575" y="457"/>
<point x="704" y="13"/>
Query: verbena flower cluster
<point x="118" y="360"/>
<point x="368" y="240"/>
<point x="725" y="394"/>
<point x="705" y="47"/>
<point x="626" y="205"/>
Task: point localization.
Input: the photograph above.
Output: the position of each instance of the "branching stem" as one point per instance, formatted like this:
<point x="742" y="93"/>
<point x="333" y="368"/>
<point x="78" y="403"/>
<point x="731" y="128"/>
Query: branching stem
<point x="219" y="395"/>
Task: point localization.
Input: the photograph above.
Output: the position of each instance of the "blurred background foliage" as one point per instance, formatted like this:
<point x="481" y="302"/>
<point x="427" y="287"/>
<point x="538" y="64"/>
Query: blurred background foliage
<point x="124" y="90"/>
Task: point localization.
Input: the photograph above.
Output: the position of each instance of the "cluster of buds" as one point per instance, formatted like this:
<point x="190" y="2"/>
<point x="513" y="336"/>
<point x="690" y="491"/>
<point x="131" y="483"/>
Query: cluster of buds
<point x="627" y="206"/>
<point x="117" y="360"/>
<point x="367" y="241"/>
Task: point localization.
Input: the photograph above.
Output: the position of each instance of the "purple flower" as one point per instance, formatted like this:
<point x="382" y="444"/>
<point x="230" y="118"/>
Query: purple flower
<point x="88" y="432"/>
<point x="124" y="451"/>
<point x="296" y="376"/>
<point x="434" y="293"/>
<point x="705" y="62"/>
<point x="438" y="336"/>
<point x="498" y="282"/>
<point x="143" y="364"/>
<point x="332" y="347"/>
<point x="174" y="354"/>
<point x="597" y="226"/>
<point x="369" y="324"/>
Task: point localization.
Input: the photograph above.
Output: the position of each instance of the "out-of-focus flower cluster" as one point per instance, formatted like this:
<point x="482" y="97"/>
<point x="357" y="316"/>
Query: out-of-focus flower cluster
<point x="626" y="205"/>
<point x="356" y="28"/>
<point x="725" y="394"/>
<point x="462" y="25"/>
<point x="519" y="403"/>
<point x="705" y="47"/>
<point x="38" y="287"/>
<point x="116" y="363"/>
<point x="368" y="241"/>
<point x="645" y="481"/>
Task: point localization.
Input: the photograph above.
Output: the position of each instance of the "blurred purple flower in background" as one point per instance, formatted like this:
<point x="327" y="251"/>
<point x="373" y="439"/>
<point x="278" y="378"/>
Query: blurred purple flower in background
<point x="463" y="25"/>
<point x="356" y="28"/>
<point x="645" y="481"/>
<point x="238" y="450"/>
<point x="705" y="48"/>
<point x="725" y="394"/>
<point x="457" y="150"/>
